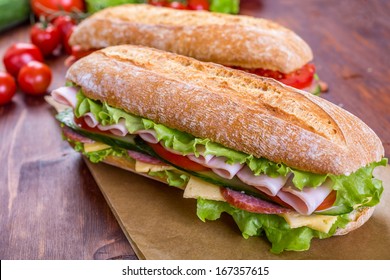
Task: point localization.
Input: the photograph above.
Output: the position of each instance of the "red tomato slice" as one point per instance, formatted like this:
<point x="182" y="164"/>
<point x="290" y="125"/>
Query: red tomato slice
<point x="81" y="123"/>
<point x="78" y="53"/>
<point x="328" y="201"/>
<point x="177" y="160"/>
<point x="300" y="78"/>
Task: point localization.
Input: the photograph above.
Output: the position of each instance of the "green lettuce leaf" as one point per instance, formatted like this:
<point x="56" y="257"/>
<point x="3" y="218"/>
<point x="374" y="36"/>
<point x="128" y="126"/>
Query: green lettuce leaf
<point x="359" y="188"/>
<point x="96" y="5"/>
<point x="225" y="6"/>
<point x="275" y="228"/>
<point x="174" y="178"/>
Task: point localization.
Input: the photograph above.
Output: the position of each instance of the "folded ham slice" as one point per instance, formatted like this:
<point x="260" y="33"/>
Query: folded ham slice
<point x="269" y="185"/>
<point x="306" y="201"/>
<point x="65" y="96"/>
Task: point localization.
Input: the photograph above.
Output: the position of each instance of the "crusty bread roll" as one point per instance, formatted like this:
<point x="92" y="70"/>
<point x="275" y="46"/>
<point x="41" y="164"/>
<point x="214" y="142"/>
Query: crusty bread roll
<point x="225" y="39"/>
<point x="245" y="112"/>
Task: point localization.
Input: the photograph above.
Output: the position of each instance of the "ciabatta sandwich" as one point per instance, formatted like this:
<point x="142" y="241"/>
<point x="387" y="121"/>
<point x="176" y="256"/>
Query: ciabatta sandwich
<point x="284" y="163"/>
<point x="255" y="45"/>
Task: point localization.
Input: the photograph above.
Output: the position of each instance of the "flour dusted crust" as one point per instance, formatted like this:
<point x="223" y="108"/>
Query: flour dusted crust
<point x="225" y="39"/>
<point x="241" y="111"/>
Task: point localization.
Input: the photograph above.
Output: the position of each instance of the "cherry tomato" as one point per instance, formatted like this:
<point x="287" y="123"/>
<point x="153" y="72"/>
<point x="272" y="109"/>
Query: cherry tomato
<point x="7" y="88"/>
<point x="64" y="24"/>
<point x="300" y="78"/>
<point x="34" y="78"/>
<point x="48" y="7"/>
<point x="20" y="54"/>
<point x="65" y="40"/>
<point x="177" y="5"/>
<point x="198" y="5"/>
<point x="178" y="160"/>
<point x="328" y="202"/>
<point x="46" y="37"/>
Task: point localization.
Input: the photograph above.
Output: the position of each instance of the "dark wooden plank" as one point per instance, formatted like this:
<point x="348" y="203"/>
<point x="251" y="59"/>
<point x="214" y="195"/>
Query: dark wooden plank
<point x="50" y="206"/>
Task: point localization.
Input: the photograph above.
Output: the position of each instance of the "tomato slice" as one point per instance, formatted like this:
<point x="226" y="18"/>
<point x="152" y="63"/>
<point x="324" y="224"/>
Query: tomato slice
<point x="178" y="160"/>
<point x="300" y="79"/>
<point x="78" y="53"/>
<point x="81" y="123"/>
<point x="328" y="201"/>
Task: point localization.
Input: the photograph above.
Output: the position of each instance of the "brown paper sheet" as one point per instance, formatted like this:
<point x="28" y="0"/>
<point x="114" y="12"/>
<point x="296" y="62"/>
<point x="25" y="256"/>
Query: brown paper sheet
<point x="161" y="224"/>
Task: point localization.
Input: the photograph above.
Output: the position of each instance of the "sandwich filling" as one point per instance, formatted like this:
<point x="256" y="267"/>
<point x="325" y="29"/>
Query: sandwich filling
<point x="263" y="197"/>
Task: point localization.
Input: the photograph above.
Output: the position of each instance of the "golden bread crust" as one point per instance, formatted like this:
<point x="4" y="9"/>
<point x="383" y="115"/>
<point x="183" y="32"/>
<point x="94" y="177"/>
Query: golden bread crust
<point x="225" y="39"/>
<point x="245" y="112"/>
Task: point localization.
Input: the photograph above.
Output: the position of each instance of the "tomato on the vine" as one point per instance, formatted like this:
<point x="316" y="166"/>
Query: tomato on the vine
<point x="65" y="41"/>
<point x="49" y="7"/>
<point x="20" y="54"/>
<point x="198" y="5"/>
<point x="34" y="78"/>
<point x="46" y="37"/>
<point x="65" y="25"/>
<point x="7" y="88"/>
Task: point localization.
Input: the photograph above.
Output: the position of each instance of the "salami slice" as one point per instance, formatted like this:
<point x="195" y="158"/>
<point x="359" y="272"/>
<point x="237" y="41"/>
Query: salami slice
<point x="252" y="204"/>
<point x="144" y="158"/>
<point x="72" y="135"/>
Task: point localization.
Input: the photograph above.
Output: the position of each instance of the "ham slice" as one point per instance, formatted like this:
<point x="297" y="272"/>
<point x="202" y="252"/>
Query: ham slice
<point x="90" y="120"/>
<point x="218" y="165"/>
<point x="269" y="185"/>
<point x="306" y="201"/>
<point x="118" y="129"/>
<point x="148" y="135"/>
<point x="66" y="96"/>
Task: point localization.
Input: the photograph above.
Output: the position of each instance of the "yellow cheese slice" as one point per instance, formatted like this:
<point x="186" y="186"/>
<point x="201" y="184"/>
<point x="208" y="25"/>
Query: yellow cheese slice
<point x="96" y="146"/>
<point x="321" y="223"/>
<point x="198" y="188"/>
<point x="144" y="167"/>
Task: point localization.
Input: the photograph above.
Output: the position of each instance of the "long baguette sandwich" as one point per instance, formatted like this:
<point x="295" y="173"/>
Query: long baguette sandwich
<point x="255" y="45"/>
<point x="283" y="163"/>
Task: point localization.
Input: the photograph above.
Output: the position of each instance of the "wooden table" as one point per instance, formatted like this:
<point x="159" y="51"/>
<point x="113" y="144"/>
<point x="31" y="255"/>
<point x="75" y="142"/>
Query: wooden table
<point x="51" y="207"/>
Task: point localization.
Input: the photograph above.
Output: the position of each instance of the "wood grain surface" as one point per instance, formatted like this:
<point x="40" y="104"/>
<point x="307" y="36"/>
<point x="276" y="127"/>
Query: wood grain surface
<point x="50" y="206"/>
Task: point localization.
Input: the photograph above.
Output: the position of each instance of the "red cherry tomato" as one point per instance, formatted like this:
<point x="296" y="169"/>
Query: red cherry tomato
<point x="198" y="5"/>
<point x="7" y="88"/>
<point x="65" y="41"/>
<point x="64" y="24"/>
<point x="46" y="37"/>
<point x="300" y="78"/>
<point x="20" y="54"/>
<point x="48" y="7"/>
<point x="178" y="160"/>
<point x="177" y="5"/>
<point x="34" y="78"/>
